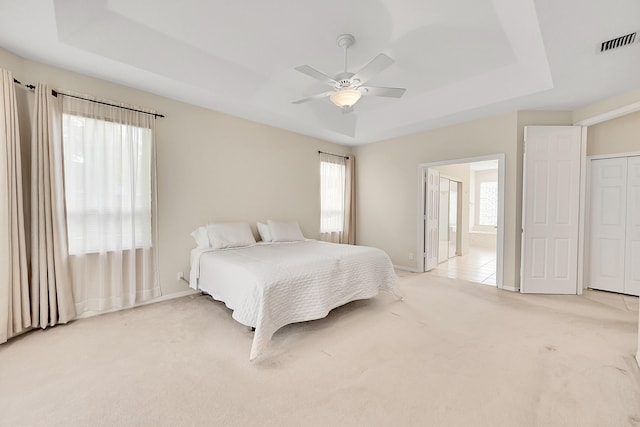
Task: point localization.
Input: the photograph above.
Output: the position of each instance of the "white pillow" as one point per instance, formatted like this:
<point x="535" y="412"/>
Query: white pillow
<point x="263" y="230"/>
<point x="285" y="231"/>
<point x="230" y="235"/>
<point x="201" y="237"/>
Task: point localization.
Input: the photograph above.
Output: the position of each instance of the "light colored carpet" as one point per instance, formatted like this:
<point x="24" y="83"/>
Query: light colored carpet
<point x="451" y="354"/>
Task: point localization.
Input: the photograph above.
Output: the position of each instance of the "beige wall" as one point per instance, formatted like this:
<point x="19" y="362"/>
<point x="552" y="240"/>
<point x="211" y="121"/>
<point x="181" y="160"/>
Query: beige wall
<point x="389" y="182"/>
<point x="620" y="135"/>
<point x="211" y="166"/>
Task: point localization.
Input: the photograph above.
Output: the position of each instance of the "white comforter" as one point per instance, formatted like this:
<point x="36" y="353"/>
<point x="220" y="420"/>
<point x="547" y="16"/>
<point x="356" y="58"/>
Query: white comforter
<point x="271" y="285"/>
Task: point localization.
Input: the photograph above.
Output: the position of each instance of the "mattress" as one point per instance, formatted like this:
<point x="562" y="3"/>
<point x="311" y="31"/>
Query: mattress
<point x="270" y="285"/>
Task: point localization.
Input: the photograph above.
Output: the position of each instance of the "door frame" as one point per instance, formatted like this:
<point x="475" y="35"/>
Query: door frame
<point x="422" y="171"/>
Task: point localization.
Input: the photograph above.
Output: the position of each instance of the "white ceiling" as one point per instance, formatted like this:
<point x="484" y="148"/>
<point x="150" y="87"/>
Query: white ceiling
<point x="459" y="60"/>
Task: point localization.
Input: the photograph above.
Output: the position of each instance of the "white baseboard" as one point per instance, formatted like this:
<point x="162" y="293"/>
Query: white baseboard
<point x="409" y="269"/>
<point x="161" y="298"/>
<point x="510" y="288"/>
<point x="169" y="297"/>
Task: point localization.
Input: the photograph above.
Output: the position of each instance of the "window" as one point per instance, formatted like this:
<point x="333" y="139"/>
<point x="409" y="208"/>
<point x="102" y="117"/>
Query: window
<point x="332" y="194"/>
<point x="107" y="170"/>
<point x="485" y="195"/>
<point x="488" y="204"/>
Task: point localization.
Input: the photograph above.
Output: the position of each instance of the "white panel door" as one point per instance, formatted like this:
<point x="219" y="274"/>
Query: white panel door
<point x="551" y="209"/>
<point x="608" y="224"/>
<point x="632" y="282"/>
<point x="431" y="238"/>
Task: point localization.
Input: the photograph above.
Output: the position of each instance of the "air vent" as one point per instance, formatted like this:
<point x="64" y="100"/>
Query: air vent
<point x="619" y="42"/>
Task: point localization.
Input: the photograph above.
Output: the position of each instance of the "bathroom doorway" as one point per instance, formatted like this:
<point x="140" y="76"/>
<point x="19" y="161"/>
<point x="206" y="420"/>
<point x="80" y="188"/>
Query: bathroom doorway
<point x="470" y="202"/>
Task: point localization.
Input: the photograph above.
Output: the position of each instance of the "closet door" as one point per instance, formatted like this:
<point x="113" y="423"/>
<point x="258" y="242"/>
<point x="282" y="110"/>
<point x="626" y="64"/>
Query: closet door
<point x="608" y="223"/>
<point x="632" y="274"/>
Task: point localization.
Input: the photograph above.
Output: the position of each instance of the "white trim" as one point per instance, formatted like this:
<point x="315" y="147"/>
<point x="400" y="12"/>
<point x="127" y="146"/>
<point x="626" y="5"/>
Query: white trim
<point x="586" y="231"/>
<point x="500" y="229"/>
<point x="161" y="298"/>
<point x="409" y="269"/>
<point x="522" y="205"/>
<point x="613" y="155"/>
<point x="170" y="296"/>
<point x="422" y="168"/>
<point x="420" y="244"/>
<point x="609" y="115"/>
<point x="497" y="156"/>
<point x="580" y="285"/>
<point x="511" y="288"/>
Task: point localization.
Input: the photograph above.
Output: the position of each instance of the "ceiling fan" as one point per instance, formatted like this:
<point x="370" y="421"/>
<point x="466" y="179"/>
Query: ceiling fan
<point x="349" y="87"/>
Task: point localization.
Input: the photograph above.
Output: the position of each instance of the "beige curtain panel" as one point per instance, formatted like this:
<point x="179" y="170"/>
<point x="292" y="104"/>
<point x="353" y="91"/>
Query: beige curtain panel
<point x="14" y="286"/>
<point x="349" y="233"/>
<point x="51" y="289"/>
<point x="337" y="193"/>
<point x="93" y="211"/>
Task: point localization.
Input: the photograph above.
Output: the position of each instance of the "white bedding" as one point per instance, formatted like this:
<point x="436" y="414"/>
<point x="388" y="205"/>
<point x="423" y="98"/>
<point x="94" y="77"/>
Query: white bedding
<point x="269" y="285"/>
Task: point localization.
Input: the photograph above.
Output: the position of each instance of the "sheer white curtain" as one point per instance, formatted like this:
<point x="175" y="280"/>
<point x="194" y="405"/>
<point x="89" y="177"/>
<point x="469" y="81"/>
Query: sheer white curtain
<point x="51" y="289"/>
<point x="110" y="193"/>
<point x="14" y="285"/>
<point x="337" y="195"/>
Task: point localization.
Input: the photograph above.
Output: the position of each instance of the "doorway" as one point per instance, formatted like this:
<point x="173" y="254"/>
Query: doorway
<point x="469" y="227"/>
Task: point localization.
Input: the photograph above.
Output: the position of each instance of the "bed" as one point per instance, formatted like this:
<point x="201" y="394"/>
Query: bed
<point x="270" y="285"/>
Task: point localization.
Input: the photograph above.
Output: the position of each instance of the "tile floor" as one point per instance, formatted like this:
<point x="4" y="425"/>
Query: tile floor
<point x="477" y="265"/>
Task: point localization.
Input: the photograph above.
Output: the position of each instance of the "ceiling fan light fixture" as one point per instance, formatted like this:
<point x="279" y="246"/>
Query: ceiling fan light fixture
<point x="345" y="97"/>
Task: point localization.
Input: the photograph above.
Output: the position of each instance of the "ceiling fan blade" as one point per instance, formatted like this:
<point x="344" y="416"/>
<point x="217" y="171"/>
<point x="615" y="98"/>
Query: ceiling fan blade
<point x="391" y="92"/>
<point x="311" y="98"/>
<point x="318" y="75"/>
<point x="376" y="65"/>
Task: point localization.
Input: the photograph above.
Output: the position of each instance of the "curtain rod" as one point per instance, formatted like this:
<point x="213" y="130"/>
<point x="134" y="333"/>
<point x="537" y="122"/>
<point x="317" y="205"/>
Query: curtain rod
<point x="55" y="93"/>
<point x="28" y="86"/>
<point x="331" y="154"/>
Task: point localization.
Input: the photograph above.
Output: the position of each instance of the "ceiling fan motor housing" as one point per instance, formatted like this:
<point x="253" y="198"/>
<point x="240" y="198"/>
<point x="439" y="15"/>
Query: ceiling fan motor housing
<point x="344" y="80"/>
